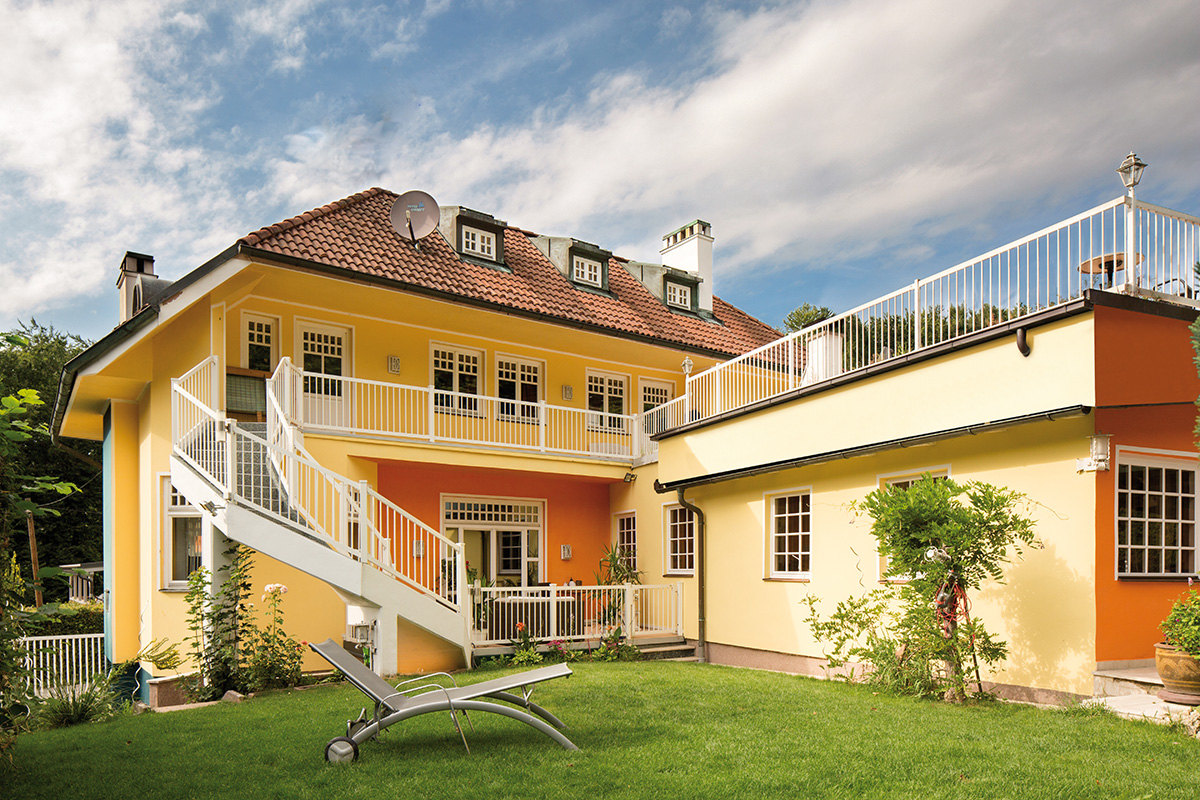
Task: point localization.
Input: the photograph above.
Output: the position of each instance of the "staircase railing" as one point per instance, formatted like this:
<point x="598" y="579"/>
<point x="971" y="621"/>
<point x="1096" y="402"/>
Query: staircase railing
<point x="286" y="483"/>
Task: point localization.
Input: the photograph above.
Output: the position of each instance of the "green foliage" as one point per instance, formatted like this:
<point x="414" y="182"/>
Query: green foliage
<point x="1181" y="628"/>
<point x="525" y="647"/>
<point x="615" y="569"/>
<point x="943" y="539"/>
<point x="613" y="649"/>
<point x="95" y="700"/>
<point x="804" y="316"/>
<point x="272" y="657"/>
<point x="32" y="358"/>
<point x="228" y="647"/>
<point x="72" y="618"/>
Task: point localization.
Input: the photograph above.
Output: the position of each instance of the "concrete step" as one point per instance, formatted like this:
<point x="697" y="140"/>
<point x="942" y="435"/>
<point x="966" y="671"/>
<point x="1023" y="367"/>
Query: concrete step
<point x="678" y="651"/>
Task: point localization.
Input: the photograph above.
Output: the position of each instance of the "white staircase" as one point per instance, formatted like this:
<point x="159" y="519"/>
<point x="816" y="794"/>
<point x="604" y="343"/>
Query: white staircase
<point x="264" y="491"/>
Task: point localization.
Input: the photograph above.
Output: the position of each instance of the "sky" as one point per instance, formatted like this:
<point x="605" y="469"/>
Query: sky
<point x="839" y="148"/>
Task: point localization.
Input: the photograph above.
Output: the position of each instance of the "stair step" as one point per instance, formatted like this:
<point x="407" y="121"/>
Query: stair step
<point x="1127" y="681"/>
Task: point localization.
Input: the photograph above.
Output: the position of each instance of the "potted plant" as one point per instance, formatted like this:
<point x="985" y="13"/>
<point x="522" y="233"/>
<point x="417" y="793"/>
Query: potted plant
<point x="1175" y="657"/>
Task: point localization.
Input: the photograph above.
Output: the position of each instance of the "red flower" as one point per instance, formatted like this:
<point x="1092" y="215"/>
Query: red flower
<point x="520" y="626"/>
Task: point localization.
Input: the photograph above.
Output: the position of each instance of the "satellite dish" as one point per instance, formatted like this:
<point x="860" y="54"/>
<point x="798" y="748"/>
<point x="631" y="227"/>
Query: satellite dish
<point x="415" y="215"/>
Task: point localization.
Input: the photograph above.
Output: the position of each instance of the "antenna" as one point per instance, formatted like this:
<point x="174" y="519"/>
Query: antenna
<point x="415" y="214"/>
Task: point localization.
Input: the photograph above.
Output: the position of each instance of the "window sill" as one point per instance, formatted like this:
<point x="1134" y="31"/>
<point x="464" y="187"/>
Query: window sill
<point x="459" y="412"/>
<point x="787" y="579"/>
<point x="181" y="589"/>
<point x="691" y="574"/>
<point x="1158" y="578"/>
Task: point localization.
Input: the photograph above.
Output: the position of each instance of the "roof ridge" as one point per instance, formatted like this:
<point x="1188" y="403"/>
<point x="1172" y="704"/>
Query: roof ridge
<point x="262" y="234"/>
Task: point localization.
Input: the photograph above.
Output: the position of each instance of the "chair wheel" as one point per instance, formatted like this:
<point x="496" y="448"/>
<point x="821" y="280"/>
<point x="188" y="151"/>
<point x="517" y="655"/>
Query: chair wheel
<point x="341" y="750"/>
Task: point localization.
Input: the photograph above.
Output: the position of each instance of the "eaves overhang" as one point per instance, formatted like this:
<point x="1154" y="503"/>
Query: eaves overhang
<point x="874" y="447"/>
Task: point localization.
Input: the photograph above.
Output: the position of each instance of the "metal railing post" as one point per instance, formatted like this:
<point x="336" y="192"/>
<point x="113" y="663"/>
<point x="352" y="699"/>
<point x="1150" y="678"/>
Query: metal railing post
<point x="1130" y="241"/>
<point x="627" y="612"/>
<point x="552" y="615"/>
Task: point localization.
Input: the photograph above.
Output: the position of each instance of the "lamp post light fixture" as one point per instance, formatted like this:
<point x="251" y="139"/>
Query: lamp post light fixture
<point x="1131" y="172"/>
<point x="687" y="366"/>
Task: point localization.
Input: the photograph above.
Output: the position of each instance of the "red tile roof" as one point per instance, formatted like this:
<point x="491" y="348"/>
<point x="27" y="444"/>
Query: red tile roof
<point x="356" y="234"/>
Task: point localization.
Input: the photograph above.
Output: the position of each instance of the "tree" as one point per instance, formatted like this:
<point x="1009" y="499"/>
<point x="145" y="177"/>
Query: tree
<point x="804" y="316"/>
<point x="32" y="358"/>
<point x="944" y="539"/>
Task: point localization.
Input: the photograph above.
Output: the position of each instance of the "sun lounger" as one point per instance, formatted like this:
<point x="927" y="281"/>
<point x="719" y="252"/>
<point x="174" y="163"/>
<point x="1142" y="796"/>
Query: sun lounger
<point x="424" y="696"/>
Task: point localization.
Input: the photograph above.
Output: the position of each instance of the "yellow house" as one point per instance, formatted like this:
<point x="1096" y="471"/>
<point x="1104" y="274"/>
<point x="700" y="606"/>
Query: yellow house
<point x="1059" y="366"/>
<point x="420" y="435"/>
<point x="429" y="439"/>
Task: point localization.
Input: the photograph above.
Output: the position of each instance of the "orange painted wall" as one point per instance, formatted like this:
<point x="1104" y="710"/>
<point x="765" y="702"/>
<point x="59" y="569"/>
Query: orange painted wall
<point x="1140" y="358"/>
<point x="577" y="510"/>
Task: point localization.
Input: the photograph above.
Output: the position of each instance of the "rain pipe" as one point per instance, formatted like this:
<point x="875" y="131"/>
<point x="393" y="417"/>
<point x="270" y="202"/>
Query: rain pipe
<point x="702" y="645"/>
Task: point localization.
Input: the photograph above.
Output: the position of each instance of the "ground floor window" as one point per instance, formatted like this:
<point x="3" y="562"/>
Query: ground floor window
<point x="790" y="534"/>
<point x="904" y="481"/>
<point x="182" y="538"/>
<point x="627" y="539"/>
<point x="1155" y="514"/>
<point x="681" y="541"/>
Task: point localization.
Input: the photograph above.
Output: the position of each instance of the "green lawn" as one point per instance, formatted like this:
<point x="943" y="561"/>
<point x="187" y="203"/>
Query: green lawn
<point x="654" y="730"/>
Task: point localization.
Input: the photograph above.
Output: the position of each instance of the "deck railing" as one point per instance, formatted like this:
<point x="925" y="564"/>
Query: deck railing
<point x="1049" y="268"/>
<point x="574" y="613"/>
<point x="336" y="404"/>
<point x="69" y="660"/>
<point x="285" y="483"/>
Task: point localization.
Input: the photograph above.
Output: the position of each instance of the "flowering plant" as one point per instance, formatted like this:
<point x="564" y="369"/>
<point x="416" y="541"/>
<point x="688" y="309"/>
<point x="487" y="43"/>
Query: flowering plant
<point x="273" y="657"/>
<point x="525" y="645"/>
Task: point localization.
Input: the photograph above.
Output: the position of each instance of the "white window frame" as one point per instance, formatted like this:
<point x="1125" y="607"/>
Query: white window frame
<point x="587" y="271"/>
<point x="458" y="404"/>
<point x="679" y="295"/>
<point x="666" y="387"/>
<point x="521" y="410"/>
<point x="803" y="517"/>
<point x="907" y="476"/>
<point x="606" y="420"/>
<point x="497" y="516"/>
<point x="625" y="533"/>
<point x="1185" y="463"/>
<point x="170" y="513"/>
<point x="679" y="540"/>
<point x="273" y="325"/>
<point x="478" y="242"/>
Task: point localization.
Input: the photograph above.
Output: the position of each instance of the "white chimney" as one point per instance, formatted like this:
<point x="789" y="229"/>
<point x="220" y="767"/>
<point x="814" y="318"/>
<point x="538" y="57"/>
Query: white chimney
<point x="690" y="249"/>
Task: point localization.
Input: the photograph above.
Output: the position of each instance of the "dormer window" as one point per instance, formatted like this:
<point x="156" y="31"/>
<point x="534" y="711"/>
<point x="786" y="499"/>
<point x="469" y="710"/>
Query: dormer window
<point x="587" y="271"/>
<point x="679" y="295"/>
<point x="479" y="243"/>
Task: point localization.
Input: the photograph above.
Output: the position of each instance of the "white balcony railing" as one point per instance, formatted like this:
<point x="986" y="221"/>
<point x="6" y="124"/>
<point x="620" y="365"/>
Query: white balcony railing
<point x="70" y="660"/>
<point x="574" y="613"/>
<point x="335" y="404"/>
<point x="280" y="480"/>
<point x="1047" y="269"/>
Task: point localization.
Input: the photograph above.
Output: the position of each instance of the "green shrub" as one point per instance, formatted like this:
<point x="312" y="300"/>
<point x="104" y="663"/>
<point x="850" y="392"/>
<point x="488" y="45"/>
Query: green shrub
<point x="1181" y="628"/>
<point x="72" y="618"/>
<point x="77" y="704"/>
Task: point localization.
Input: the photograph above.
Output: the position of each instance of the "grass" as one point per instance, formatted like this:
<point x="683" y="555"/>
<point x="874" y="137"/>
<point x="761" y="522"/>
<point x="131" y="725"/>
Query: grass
<point x="653" y="730"/>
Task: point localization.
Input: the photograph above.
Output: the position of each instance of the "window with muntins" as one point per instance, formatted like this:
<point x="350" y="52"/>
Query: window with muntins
<point x="479" y="243"/>
<point x="585" y="270"/>
<point x="518" y="381"/>
<point x="182" y="540"/>
<point x="1156" y="517"/>
<point x="455" y="374"/>
<point x="260" y="343"/>
<point x="791" y="535"/>
<point x="655" y="394"/>
<point x="679" y="295"/>
<point x="681" y="541"/>
<point x="627" y="539"/>
<point x="323" y="354"/>
<point x="606" y="397"/>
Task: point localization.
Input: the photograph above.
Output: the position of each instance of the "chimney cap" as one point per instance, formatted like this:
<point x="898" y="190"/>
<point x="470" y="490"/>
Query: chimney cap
<point x="696" y="227"/>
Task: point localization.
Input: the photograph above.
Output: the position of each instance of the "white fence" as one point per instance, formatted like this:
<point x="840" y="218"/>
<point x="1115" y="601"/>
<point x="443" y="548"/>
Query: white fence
<point x="574" y="613"/>
<point x="70" y="660"/>
<point x="423" y="413"/>
<point x="1145" y="250"/>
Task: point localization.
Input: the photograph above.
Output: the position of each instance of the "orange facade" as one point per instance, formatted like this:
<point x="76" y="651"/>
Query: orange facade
<point x="577" y="509"/>
<point x="1146" y="385"/>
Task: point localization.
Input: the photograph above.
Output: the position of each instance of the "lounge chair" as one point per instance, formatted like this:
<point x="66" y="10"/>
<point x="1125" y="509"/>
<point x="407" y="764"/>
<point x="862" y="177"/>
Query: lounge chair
<point x="424" y="696"/>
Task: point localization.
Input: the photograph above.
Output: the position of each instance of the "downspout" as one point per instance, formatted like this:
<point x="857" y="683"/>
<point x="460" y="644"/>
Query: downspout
<point x="702" y="645"/>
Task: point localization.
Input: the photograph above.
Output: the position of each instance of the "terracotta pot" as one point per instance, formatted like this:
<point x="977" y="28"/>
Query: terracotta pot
<point x="1180" y="674"/>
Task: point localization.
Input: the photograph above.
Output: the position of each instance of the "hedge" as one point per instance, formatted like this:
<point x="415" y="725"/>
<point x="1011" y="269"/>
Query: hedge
<point x="76" y="618"/>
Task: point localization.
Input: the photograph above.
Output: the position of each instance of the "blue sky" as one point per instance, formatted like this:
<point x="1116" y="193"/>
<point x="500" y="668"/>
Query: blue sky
<point x="840" y="148"/>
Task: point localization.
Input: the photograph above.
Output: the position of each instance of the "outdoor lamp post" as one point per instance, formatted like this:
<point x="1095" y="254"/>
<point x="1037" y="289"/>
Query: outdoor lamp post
<point x="1131" y="172"/>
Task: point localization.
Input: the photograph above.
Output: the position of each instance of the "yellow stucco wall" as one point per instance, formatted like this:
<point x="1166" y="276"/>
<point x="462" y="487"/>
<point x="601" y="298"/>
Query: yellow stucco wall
<point x="990" y="381"/>
<point x="1046" y="610"/>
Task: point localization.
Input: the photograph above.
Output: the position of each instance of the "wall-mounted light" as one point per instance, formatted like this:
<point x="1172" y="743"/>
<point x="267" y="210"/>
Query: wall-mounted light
<point x="1097" y="460"/>
<point x="630" y="477"/>
<point x="565" y="552"/>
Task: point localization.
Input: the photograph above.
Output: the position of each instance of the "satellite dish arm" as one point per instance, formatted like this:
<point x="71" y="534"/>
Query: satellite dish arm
<point x="408" y="219"/>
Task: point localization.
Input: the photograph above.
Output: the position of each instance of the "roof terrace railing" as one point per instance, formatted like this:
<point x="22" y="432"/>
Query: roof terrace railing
<point x="1121" y="245"/>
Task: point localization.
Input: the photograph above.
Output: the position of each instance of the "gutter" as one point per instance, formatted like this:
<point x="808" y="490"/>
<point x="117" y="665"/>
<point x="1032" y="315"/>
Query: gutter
<point x="867" y="449"/>
<point x="702" y="644"/>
